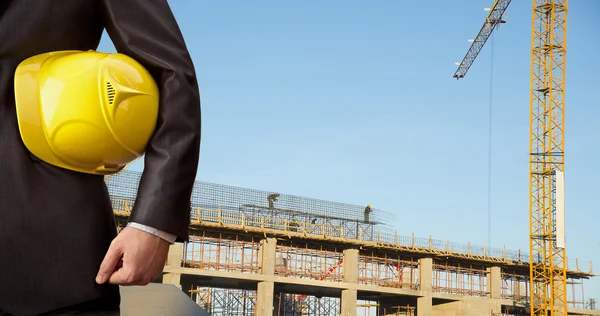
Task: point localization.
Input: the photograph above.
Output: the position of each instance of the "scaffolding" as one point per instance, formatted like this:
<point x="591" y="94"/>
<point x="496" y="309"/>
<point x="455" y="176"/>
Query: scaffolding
<point x="460" y="280"/>
<point x="309" y="263"/>
<point x="301" y="305"/>
<point x="382" y="270"/>
<point x="575" y="294"/>
<point x="515" y="287"/>
<point x="226" y="302"/>
<point x="222" y="253"/>
<point x="399" y="311"/>
<point x="238" y="302"/>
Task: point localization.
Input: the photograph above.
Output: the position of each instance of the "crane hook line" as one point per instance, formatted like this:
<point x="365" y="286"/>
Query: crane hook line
<point x="491" y="94"/>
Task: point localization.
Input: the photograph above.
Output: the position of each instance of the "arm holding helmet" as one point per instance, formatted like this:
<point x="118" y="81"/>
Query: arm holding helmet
<point x="146" y="31"/>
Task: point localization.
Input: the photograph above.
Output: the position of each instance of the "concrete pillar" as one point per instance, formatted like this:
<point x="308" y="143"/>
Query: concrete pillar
<point x="265" y="289"/>
<point x="424" y="304"/>
<point x="348" y="302"/>
<point x="268" y="251"/>
<point x="175" y="256"/>
<point x="351" y="265"/>
<point x="174" y="259"/>
<point x="264" y="298"/>
<point x="494" y="282"/>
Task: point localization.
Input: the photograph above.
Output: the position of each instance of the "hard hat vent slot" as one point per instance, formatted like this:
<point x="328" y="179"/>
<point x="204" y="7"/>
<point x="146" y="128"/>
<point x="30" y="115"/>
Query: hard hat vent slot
<point x="110" y="92"/>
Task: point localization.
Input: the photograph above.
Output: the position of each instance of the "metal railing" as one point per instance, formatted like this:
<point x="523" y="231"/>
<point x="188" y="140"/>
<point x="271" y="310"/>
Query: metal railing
<point x="239" y="220"/>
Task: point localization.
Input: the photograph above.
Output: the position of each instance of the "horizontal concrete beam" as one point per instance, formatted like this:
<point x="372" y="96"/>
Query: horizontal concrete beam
<point x="290" y="282"/>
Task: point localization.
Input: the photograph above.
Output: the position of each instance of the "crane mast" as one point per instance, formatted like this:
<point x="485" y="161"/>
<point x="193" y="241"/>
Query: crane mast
<point x="547" y="261"/>
<point x="547" y="241"/>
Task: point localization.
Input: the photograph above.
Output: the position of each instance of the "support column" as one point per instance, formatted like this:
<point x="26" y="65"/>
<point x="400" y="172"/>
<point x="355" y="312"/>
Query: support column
<point x="424" y="304"/>
<point x="174" y="260"/>
<point x="264" y="298"/>
<point x="265" y="289"/>
<point x="348" y="302"/>
<point x="494" y="282"/>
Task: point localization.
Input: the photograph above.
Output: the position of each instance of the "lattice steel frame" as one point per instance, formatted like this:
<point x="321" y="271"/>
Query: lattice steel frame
<point x="548" y="70"/>
<point x="493" y="19"/>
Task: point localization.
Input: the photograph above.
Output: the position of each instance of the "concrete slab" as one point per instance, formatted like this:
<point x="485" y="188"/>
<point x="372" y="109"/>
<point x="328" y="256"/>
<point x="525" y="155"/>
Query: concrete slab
<point x="157" y="300"/>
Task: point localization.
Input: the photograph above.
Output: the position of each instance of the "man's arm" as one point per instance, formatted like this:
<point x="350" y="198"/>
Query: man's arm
<point x="146" y="30"/>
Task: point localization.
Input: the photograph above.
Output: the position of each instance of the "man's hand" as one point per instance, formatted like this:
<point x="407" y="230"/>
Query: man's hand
<point x="134" y="257"/>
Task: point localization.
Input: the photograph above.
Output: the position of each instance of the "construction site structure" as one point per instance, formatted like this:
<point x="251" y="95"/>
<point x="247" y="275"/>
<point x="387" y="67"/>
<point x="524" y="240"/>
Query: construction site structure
<point x="244" y="258"/>
<point x="548" y="262"/>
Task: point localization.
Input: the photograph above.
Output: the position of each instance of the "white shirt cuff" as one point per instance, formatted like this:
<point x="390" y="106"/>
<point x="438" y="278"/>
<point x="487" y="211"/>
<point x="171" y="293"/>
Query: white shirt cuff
<point x="159" y="233"/>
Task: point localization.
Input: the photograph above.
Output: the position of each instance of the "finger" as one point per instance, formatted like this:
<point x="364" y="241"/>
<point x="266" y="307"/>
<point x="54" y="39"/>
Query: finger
<point x="111" y="259"/>
<point x="119" y="277"/>
<point x="125" y="276"/>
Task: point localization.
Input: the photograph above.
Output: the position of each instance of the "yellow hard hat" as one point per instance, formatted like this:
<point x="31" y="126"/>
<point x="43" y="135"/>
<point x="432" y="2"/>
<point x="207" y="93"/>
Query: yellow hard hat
<point x="89" y="112"/>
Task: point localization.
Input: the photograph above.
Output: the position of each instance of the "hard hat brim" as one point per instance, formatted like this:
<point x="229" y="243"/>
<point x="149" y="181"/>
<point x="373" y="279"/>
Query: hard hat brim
<point x="28" y="107"/>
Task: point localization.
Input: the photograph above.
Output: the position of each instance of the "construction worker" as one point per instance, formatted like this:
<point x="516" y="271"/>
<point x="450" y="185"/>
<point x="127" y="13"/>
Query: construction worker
<point x="272" y="198"/>
<point x="294" y="225"/>
<point x="59" y="249"/>
<point x="367" y="213"/>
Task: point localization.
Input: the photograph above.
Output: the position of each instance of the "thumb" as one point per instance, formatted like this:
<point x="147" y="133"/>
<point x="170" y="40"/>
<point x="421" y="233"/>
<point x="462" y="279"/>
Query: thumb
<point x="119" y="277"/>
<point x="111" y="259"/>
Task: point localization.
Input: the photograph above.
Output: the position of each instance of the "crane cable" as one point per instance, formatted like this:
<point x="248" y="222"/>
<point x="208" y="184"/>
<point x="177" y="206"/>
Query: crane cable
<point x="491" y="94"/>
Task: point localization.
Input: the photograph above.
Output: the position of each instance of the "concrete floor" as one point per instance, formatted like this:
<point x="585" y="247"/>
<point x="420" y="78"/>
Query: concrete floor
<point x="157" y="300"/>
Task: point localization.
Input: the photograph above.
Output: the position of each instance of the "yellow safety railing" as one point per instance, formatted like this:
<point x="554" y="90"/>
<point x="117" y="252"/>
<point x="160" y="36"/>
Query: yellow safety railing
<point x="258" y="223"/>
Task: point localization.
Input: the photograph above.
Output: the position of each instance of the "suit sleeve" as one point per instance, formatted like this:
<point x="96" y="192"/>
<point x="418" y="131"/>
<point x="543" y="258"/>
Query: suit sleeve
<point x="146" y="30"/>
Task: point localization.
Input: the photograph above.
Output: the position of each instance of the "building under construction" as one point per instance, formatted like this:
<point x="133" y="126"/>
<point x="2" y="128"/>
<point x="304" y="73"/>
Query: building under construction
<point x="255" y="252"/>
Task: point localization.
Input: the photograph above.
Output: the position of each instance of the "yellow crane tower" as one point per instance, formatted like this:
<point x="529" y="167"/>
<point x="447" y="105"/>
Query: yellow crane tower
<point x="547" y="261"/>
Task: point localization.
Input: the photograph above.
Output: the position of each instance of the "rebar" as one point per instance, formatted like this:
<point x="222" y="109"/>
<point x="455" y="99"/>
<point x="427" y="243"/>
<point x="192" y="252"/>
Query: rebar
<point x="208" y="195"/>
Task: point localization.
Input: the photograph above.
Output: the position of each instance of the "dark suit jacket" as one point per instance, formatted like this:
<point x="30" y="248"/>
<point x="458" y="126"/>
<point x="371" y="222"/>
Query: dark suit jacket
<point x="56" y="225"/>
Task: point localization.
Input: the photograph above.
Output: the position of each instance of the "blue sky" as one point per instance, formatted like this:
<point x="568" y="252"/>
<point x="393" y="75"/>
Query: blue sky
<point x="354" y="101"/>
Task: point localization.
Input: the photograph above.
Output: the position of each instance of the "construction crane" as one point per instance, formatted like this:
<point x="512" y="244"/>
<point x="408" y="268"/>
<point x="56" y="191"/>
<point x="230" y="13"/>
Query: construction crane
<point x="547" y="261"/>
